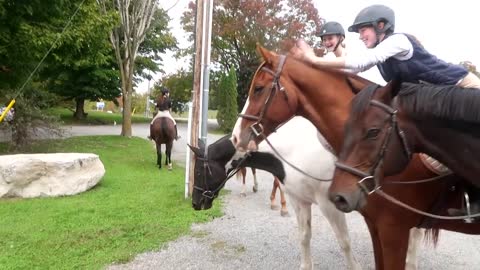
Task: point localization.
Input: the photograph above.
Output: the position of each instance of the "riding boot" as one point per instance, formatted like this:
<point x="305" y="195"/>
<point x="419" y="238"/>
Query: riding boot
<point x="474" y="203"/>
<point x="176" y="133"/>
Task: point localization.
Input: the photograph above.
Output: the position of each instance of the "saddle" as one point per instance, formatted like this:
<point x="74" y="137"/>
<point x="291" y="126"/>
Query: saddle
<point x="434" y="165"/>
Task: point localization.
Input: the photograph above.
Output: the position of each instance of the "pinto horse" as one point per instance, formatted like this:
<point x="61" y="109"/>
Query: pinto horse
<point x="162" y="131"/>
<point x="283" y="87"/>
<point x="388" y="124"/>
<point x="242" y="173"/>
<point x="307" y="154"/>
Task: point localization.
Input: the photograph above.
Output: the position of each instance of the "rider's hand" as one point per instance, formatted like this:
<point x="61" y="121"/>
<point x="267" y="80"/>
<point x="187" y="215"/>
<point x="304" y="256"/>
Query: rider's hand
<point x="303" y="51"/>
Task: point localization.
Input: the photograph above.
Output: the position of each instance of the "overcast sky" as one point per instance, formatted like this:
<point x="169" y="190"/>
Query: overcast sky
<point x="447" y="29"/>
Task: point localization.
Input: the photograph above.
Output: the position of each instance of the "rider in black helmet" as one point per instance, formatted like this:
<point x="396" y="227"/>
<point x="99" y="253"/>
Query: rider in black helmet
<point x="333" y="35"/>
<point x="164" y="104"/>
<point x="397" y="55"/>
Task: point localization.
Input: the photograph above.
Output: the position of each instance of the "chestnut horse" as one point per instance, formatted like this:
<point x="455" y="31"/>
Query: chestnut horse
<point x="388" y="124"/>
<point x="283" y="87"/>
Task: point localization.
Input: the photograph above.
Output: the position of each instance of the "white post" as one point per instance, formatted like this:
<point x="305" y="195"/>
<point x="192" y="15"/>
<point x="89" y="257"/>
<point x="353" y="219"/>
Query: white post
<point x="189" y="152"/>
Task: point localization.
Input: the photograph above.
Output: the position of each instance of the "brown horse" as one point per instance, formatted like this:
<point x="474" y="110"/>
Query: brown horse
<point x="283" y="87"/>
<point x="388" y="124"/>
<point x="162" y="131"/>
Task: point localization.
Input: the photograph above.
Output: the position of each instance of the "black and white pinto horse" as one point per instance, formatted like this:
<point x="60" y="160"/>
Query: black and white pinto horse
<point x="309" y="155"/>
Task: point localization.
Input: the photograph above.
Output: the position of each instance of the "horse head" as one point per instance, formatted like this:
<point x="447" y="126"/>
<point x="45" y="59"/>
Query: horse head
<point x="373" y="139"/>
<point x="210" y="171"/>
<point x="271" y="101"/>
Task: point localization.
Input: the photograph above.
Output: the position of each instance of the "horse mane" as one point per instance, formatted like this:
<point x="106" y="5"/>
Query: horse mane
<point x="362" y="100"/>
<point x="452" y="103"/>
<point x="222" y="148"/>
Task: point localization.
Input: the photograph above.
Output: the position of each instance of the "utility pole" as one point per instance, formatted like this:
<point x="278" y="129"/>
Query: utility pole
<point x="196" y="93"/>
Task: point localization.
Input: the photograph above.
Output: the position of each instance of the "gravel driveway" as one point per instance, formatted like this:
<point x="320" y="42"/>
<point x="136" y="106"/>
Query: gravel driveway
<point x="251" y="236"/>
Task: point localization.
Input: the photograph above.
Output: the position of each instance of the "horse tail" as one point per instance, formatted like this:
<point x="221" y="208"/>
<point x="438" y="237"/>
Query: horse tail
<point x="164" y="126"/>
<point x="432" y="235"/>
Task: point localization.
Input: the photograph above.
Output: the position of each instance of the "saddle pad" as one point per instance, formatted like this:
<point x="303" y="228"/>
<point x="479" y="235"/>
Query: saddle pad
<point x="161" y="114"/>
<point x="433" y="165"/>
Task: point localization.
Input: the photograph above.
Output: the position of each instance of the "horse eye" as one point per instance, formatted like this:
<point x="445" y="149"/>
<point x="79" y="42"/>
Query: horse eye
<point x="258" y="89"/>
<point x="372" y="133"/>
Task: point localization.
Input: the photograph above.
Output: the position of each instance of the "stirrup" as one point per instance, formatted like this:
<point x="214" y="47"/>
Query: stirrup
<point x="464" y="211"/>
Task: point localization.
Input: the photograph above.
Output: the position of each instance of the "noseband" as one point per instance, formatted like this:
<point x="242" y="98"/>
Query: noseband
<point x="257" y="127"/>
<point x="381" y="155"/>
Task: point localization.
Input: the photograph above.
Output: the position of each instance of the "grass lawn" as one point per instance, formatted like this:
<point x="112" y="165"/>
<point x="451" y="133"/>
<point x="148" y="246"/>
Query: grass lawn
<point x="104" y="118"/>
<point x="135" y="208"/>
<point x="95" y="117"/>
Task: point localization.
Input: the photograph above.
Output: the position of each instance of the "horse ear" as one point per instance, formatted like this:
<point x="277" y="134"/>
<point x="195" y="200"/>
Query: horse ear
<point x="266" y="54"/>
<point x="196" y="150"/>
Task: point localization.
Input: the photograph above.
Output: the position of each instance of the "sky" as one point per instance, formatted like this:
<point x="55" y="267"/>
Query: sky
<point x="447" y="29"/>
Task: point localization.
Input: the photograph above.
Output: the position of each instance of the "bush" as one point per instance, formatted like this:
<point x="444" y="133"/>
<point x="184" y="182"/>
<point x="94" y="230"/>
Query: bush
<point x="227" y="101"/>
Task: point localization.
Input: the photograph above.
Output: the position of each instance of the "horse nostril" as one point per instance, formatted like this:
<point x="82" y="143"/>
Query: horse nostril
<point x="235" y="140"/>
<point x="338" y="199"/>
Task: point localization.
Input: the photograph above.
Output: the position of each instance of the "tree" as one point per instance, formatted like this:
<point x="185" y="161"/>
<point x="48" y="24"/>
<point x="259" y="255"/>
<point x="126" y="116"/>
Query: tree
<point x="135" y="20"/>
<point x="239" y="25"/>
<point x="29" y="29"/>
<point x="180" y="86"/>
<point x="227" y="101"/>
<point x="82" y="66"/>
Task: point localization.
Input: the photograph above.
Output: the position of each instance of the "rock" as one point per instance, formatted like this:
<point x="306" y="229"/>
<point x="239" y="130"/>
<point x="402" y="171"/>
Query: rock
<point x="48" y="175"/>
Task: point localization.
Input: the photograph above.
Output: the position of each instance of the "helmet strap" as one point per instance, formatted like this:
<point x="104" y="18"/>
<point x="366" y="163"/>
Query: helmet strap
<point x="340" y="40"/>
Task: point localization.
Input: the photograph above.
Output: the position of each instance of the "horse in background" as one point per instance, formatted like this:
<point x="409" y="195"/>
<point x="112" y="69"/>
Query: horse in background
<point x="162" y="131"/>
<point x="242" y="173"/>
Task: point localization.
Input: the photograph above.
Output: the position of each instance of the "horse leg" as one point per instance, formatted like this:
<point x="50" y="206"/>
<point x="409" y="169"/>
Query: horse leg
<point x="303" y="211"/>
<point x="255" y="183"/>
<point x="243" y="192"/>
<point x="168" y="154"/>
<point x="337" y="221"/>
<point x="416" y="236"/>
<point x="377" y="245"/>
<point x="283" y="201"/>
<point x="273" y="205"/>
<point x="394" y="239"/>
<point x="159" y="155"/>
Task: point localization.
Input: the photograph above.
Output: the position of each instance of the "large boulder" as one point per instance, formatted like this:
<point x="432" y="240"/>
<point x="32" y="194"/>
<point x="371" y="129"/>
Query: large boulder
<point x="45" y="175"/>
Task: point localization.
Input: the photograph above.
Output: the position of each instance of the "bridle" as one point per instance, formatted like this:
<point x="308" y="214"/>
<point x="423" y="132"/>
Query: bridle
<point x="393" y="128"/>
<point x="257" y="127"/>
<point x="207" y="192"/>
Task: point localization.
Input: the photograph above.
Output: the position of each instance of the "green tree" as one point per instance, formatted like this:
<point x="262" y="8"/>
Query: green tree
<point x="135" y="21"/>
<point x="239" y="25"/>
<point x="180" y="86"/>
<point x="29" y="29"/>
<point x="227" y="101"/>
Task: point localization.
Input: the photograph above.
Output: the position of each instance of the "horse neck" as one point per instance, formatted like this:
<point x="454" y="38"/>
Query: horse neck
<point x="324" y="99"/>
<point x="442" y="141"/>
